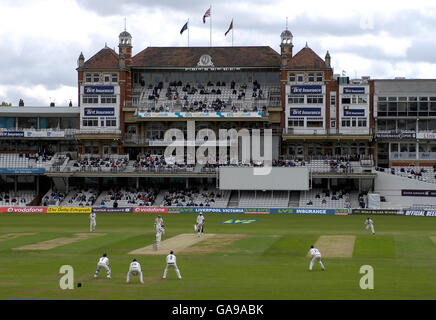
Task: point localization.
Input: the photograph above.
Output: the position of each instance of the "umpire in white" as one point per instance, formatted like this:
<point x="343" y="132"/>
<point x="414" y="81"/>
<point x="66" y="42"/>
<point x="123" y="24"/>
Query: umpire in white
<point x="171" y="262"/>
<point x="92" y="222"/>
<point x="135" y="269"/>
<point x="369" y="224"/>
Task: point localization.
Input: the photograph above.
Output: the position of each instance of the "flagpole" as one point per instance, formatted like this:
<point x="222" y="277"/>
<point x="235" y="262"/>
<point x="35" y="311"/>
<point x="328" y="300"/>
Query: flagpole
<point x="188" y="32"/>
<point x="210" y="26"/>
<point x="233" y="27"/>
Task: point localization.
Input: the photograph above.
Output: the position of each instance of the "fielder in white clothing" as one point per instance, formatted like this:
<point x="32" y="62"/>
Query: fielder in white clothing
<point x="92" y="221"/>
<point x="316" y="256"/>
<point x="135" y="269"/>
<point x="199" y="226"/>
<point x="159" y="230"/>
<point x="171" y="262"/>
<point x="103" y="262"/>
<point x="369" y="224"/>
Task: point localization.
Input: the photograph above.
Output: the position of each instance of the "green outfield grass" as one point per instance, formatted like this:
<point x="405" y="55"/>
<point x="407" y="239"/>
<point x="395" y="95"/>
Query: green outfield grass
<point x="270" y="262"/>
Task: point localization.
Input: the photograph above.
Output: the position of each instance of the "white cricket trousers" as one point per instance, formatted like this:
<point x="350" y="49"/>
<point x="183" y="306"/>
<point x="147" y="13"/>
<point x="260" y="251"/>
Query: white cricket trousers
<point x="175" y="267"/>
<point x="315" y="259"/>
<point x="158" y="238"/>
<point x="200" y="229"/>
<point x="104" y="266"/>
<point x="372" y="227"/>
<point x="134" y="272"/>
<point x="92" y="226"/>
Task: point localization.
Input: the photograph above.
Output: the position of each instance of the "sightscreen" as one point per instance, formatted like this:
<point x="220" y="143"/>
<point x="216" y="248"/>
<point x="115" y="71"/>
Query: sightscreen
<point x="233" y="178"/>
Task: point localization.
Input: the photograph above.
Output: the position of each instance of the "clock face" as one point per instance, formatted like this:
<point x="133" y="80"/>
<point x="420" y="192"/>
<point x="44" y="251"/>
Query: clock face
<point x="205" y="60"/>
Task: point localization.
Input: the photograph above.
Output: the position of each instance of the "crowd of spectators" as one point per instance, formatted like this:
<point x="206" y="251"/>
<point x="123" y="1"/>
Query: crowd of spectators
<point x="184" y="94"/>
<point x="98" y="163"/>
<point x="332" y="195"/>
<point x="129" y="197"/>
<point x="54" y="198"/>
<point x="423" y="174"/>
<point x="156" y="163"/>
<point x="8" y="198"/>
<point x="191" y="198"/>
<point x="83" y="197"/>
<point x="340" y="166"/>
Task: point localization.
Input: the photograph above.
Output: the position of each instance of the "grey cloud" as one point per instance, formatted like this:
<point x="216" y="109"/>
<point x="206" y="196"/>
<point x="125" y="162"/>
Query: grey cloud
<point x="422" y="51"/>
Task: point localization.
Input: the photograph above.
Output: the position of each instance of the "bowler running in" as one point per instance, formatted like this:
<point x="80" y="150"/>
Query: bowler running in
<point x="315" y="256"/>
<point x="171" y="262"/>
<point x="134" y="269"/>
<point x="199" y="226"/>
<point x="103" y="262"/>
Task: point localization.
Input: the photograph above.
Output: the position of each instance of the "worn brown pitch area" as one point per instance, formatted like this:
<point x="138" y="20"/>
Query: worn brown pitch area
<point x="335" y="246"/>
<point x="53" y="243"/>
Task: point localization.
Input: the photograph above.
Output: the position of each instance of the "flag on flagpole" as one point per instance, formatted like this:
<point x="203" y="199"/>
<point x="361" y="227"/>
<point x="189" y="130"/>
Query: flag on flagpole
<point x="184" y="28"/>
<point x="230" y="28"/>
<point x="207" y="14"/>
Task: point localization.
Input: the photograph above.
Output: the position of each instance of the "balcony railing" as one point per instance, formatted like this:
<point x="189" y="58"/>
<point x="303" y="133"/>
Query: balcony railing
<point x="35" y="133"/>
<point x="413" y="155"/>
<point x="328" y="132"/>
<point x="99" y="131"/>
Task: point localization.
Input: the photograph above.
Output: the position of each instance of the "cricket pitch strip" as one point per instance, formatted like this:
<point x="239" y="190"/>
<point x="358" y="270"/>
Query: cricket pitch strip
<point x="336" y="246"/>
<point x="177" y="244"/>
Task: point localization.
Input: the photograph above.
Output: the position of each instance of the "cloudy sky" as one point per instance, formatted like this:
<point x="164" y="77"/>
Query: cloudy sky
<point x="42" y="39"/>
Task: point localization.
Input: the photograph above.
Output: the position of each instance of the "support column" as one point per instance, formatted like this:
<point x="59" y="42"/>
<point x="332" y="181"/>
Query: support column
<point x="137" y="183"/>
<point x="15" y="183"/>
<point x="187" y="183"/>
<point x="37" y="185"/>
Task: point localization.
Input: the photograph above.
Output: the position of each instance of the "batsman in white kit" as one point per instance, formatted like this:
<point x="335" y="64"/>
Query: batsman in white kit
<point x="158" y="222"/>
<point x="171" y="262"/>
<point x="92" y="221"/>
<point x="134" y="269"/>
<point x="369" y="224"/>
<point x="199" y="226"/>
<point x="103" y="262"/>
<point x="159" y="230"/>
<point x="316" y="257"/>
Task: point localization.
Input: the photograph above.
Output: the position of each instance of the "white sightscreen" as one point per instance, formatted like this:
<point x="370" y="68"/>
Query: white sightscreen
<point x="294" y="178"/>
